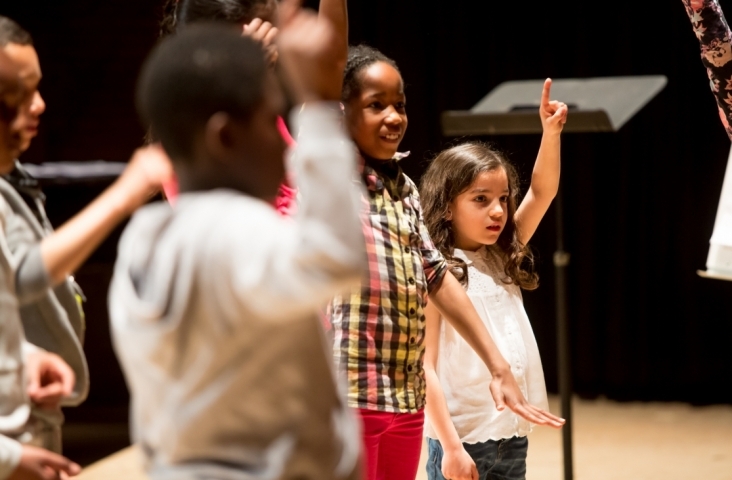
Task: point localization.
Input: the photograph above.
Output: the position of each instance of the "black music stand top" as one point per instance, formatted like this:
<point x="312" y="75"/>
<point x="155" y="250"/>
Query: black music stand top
<point x="602" y="104"/>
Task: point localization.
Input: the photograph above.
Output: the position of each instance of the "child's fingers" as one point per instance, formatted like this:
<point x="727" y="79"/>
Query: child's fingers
<point x="49" y="394"/>
<point x="547" y="418"/>
<point x="60" y="373"/>
<point x="560" y="115"/>
<point x="546" y="92"/>
<point x="260" y="33"/>
<point x="59" y="463"/>
<point x="474" y="473"/>
<point x="270" y="36"/>
<point x="252" y="26"/>
<point x="536" y="415"/>
<point x="522" y="410"/>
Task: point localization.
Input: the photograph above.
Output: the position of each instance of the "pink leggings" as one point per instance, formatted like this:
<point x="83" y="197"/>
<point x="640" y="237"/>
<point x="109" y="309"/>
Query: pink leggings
<point x="392" y="444"/>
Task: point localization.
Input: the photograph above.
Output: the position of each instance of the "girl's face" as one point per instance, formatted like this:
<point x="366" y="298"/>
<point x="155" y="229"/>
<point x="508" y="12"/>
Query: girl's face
<point x="479" y="214"/>
<point x="376" y="115"/>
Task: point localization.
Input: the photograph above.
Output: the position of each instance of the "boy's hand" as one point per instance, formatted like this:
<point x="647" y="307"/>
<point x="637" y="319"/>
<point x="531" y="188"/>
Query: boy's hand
<point x="458" y="465"/>
<point x="506" y="392"/>
<point x="49" y="379"/>
<point x="553" y="113"/>
<point x="39" y="464"/>
<point x="308" y="55"/>
<point x="264" y="33"/>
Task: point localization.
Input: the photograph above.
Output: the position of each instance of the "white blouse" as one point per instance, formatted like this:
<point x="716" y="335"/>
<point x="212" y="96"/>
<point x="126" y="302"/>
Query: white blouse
<point x="464" y="376"/>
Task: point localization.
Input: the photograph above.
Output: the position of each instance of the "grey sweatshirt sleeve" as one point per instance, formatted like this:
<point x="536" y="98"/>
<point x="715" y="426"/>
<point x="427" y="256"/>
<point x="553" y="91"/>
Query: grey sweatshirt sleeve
<point x="298" y="265"/>
<point x="32" y="278"/>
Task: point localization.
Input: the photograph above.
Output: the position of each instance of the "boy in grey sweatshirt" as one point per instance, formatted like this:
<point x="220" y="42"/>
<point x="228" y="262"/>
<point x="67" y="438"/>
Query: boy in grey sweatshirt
<point x="214" y="302"/>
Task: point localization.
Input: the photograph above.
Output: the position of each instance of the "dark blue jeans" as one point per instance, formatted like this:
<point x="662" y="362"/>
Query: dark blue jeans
<point x="496" y="460"/>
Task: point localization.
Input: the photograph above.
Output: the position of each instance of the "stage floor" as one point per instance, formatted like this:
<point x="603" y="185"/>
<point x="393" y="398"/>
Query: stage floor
<point x="635" y="441"/>
<point x="613" y="441"/>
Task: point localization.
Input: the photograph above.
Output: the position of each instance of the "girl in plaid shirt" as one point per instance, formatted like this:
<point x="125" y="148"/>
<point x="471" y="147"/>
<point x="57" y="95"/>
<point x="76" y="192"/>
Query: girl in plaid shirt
<point x="379" y="327"/>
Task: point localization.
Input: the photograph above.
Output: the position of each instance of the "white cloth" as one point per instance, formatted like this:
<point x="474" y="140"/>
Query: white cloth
<point x="213" y="307"/>
<point x="463" y="375"/>
<point x="14" y="402"/>
<point x="10" y="452"/>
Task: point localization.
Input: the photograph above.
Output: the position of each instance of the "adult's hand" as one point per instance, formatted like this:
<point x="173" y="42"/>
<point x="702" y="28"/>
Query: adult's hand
<point x="49" y="379"/>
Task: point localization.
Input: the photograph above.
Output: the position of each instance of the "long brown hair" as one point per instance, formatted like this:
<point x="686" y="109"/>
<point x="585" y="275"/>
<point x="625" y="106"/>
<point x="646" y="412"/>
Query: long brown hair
<point x="451" y="173"/>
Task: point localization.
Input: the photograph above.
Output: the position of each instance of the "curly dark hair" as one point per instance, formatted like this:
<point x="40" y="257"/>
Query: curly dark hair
<point x="360" y="57"/>
<point x="183" y="12"/>
<point x="450" y="174"/>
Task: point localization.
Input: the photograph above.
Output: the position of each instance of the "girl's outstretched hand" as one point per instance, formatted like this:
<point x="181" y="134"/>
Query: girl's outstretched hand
<point x="506" y="393"/>
<point x="553" y="113"/>
<point x="458" y="465"/>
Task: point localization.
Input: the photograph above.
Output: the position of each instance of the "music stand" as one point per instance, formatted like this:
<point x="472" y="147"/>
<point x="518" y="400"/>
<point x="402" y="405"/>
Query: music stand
<point x="602" y="104"/>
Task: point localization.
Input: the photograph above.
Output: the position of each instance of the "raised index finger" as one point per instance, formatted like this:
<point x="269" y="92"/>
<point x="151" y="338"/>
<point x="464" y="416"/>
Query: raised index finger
<point x="546" y="92"/>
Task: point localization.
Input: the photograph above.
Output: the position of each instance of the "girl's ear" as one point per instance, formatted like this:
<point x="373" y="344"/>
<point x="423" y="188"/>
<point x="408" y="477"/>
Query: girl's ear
<point x="448" y="215"/>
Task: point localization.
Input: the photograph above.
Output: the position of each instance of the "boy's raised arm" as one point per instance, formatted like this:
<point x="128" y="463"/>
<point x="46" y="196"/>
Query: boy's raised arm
<point x="302" y="264"/>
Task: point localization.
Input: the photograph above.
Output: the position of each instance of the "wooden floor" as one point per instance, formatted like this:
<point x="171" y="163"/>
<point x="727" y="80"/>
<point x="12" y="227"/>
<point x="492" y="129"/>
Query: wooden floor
<point x="618" y="441"/>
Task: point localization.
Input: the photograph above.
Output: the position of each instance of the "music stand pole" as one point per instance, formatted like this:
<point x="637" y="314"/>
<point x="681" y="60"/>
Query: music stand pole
<point x="561" y="261"/>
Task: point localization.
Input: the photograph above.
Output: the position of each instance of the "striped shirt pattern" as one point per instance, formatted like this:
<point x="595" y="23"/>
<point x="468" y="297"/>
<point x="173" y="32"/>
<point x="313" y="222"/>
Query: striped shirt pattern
<point x="379" y="327"/>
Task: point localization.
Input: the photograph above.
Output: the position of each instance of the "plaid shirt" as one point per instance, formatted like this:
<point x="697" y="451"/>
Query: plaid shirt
<point x="379" y="326"/>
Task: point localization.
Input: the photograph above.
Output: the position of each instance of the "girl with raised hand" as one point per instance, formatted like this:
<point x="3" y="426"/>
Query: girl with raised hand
<point x="379" y="326"/>
<point x="470" y="194"/>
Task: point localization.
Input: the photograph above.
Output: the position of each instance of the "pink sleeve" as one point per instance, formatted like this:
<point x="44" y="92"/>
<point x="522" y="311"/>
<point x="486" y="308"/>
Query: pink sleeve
<point x="282" y="127"/>
<point x="286" y="201"/>
<point x="170" y="189"/>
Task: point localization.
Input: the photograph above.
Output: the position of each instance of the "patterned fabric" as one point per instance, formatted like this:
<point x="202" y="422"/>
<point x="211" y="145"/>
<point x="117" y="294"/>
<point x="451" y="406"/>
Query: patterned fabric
<point x="379" y="327"/>
<point x="714" y="36"/>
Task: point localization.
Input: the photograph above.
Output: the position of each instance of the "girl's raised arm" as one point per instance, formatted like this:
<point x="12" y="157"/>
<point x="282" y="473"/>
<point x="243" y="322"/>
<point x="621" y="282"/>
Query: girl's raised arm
<point x="545" y="178"/>
<point x="336" y="12"/>
<point x="456" y="462"/>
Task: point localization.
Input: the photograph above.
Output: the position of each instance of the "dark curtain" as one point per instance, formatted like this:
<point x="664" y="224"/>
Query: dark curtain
<point x="639" y="204"/>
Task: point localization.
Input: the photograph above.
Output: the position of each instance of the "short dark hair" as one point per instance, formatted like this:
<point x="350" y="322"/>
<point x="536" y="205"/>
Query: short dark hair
<point x="178" y="13"/>
<point x="190" y="76"/>
<point x="11" y="32"/>
<point x="360" y="57"/>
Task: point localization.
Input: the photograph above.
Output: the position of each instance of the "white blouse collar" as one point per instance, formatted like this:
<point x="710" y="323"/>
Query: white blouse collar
<point x="466" y="255"/>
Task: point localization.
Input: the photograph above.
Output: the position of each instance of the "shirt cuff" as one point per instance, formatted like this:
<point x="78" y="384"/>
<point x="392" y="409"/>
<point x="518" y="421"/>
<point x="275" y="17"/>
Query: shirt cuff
<point x="10" y="453"/>
<point x="438" y="273"/>
<point x="316" y="118"/>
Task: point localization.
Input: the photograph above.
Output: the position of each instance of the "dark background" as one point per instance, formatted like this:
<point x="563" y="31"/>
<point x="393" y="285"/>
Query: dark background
<point x="639" y="204"/>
